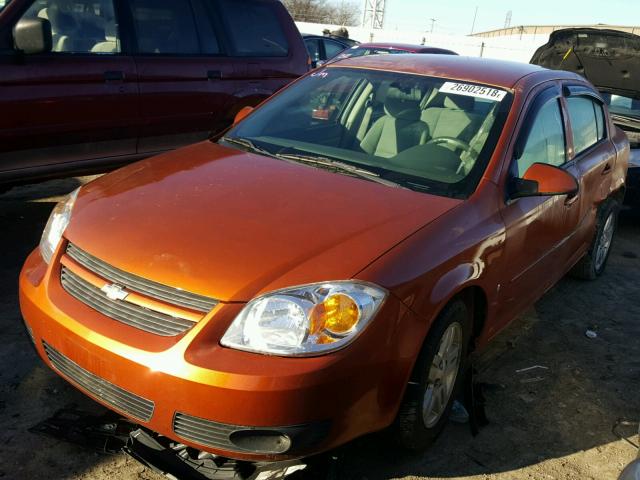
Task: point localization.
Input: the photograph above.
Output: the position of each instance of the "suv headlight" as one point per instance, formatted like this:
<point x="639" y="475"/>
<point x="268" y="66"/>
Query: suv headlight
<point x="58" y="221"/>
<point x="307" y="320"/>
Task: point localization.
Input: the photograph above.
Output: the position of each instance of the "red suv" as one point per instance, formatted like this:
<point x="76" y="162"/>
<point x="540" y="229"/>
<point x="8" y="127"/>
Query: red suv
<point x="89" y="84"/>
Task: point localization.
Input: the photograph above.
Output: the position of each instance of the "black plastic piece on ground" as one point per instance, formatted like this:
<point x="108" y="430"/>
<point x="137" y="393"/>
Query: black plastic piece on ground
<point x="474" y="402"/>
<point x="176" y="460"/>
<point x="107" y="433"/>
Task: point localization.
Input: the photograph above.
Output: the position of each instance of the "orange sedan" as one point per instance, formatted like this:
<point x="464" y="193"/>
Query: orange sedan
<point x="325" y="268"/>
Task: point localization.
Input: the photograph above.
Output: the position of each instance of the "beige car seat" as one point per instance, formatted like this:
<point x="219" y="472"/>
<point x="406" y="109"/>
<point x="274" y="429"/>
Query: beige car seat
<point x="400" y="126"/>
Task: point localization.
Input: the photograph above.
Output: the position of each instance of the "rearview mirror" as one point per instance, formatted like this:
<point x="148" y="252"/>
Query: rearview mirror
<point x="32" y="36"/>
<point x="244" y="111"/>
<point x="541" y="180"/>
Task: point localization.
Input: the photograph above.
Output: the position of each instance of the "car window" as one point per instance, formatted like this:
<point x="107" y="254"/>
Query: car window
<point x="3" y="3"/>
<point x="79" y="26"/>
<point x="207" y="27"/>
<point x="546" y="140"/>
<point x="254" y="29"/>
<point x="165" y="27"/>
<point x="380" y="121"/>
<point x="313" y="47"/>
<point x="587" y="122"/>
<point x="332" y="48"/>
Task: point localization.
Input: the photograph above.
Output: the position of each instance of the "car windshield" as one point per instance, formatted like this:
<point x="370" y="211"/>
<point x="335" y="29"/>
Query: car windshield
<point x="424" y="133"/>
<point x="621" y="105"/>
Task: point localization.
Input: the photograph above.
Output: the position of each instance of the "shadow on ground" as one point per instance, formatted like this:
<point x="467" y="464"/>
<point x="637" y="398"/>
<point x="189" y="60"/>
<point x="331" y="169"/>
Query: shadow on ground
<point x="554" y="422"/>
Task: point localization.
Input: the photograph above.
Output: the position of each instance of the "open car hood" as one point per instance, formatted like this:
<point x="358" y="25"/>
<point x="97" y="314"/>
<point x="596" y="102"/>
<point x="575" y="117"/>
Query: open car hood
<point x="609" y="59"/>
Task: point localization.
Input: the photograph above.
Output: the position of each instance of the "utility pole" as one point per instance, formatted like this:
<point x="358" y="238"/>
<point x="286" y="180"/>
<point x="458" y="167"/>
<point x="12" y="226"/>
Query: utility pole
<point x="507" y="20"/>
<point x="473" y="25"/>
<point x="374" y="14"/>
<point x="433" y="22"/>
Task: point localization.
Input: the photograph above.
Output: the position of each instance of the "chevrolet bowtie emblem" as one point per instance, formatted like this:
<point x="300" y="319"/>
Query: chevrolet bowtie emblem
<point x="114" y="292"/>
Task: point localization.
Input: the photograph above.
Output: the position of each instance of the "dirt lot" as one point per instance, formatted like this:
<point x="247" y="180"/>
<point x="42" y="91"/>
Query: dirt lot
<point x="553" y="423"/>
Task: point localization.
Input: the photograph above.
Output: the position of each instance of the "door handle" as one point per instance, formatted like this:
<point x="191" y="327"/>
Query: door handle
<point x="607" y="169"/>
<point x="214" y="75"/>
<point x="113" y="76"/>
<point x="571" y="200"/>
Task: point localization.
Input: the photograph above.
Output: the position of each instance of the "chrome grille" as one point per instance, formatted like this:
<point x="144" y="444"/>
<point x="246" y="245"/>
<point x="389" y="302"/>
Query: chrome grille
<point x="118" y="398"/>
<point x="170" y="295"/>
<point x="122" y="311"/>
<point x="204" y="432"/>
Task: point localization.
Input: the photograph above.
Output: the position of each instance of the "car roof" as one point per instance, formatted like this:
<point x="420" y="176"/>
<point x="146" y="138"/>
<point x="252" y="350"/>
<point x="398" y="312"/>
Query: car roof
<point x="482" y="70"/>
<point x="398" y="46"/>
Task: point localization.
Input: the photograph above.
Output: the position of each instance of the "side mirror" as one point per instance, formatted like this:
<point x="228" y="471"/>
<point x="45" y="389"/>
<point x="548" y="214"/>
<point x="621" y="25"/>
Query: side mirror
<point x="632" y="472"/>
<point x="244" y="111"/>
<point x="541" y="180"/>
<point x="33" y="35"/>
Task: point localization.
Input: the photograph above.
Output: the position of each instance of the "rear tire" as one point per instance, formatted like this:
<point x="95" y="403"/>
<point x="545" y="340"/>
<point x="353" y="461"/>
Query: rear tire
<point x="428" y="399"/>
<point x="593" y="264"/>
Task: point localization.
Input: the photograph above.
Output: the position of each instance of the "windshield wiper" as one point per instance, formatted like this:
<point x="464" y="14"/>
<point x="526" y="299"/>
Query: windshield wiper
<point x="247" y="144"/>
<point x="340" y="166"/>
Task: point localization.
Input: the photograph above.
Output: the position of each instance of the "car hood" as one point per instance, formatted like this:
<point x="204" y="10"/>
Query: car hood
<point x="230" y="225"/>
<point x="609" y="59"/>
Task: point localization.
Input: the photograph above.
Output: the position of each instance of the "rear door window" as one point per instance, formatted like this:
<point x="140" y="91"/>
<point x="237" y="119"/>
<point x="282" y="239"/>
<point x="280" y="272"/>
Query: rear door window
<point x="165" y="27"/>
<point x="587" y="122"/>
<point x="332" y="48"/>
<point x="254" y="29"/>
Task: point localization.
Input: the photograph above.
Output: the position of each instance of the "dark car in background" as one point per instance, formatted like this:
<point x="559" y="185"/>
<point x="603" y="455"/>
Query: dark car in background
<point x="325" y="47"/>
<point x="86" y="85"/>
<point x="609" y="59"/>
<point x="390" y="48"/>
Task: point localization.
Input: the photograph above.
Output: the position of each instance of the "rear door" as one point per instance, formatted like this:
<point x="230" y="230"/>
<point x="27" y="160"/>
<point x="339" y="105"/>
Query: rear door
<point x="186" y="79"/>
<point x="593" y="155"/>
<point x="75" y="103"/>
<point x="539" y="230"/>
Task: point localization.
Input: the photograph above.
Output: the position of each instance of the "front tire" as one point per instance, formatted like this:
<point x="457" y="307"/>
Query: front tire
<point x="592" y="265"/>
<point x="437" y="377"/>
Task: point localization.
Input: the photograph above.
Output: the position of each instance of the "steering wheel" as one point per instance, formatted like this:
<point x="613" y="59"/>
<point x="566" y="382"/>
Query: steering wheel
<point x="455" y="143"/>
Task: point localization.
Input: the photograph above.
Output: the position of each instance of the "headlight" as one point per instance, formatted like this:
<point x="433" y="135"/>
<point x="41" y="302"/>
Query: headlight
<point x="56" y="226"/>
<point x="307" y="320"/>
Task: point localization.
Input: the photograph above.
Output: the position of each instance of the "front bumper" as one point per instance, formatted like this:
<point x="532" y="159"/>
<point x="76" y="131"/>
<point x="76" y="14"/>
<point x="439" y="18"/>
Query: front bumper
<point x="235" y="404"/>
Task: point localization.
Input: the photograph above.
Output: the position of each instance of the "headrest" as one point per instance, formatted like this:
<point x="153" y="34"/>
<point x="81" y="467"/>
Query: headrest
<point x="455" y="102"/>
<point x="402" y="104"/>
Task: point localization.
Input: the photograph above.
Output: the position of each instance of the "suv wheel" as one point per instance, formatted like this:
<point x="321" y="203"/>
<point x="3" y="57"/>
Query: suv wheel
<point x="436" y="380"/>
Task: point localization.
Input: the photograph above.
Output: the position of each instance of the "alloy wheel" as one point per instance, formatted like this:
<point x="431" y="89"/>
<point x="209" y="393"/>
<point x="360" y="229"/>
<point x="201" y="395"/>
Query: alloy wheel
<point x="442" y="375"/>
<point x="604" y="242"/>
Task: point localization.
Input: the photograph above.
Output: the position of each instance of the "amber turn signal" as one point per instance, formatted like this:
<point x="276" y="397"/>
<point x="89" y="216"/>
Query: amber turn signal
<point x="338" y="314"/>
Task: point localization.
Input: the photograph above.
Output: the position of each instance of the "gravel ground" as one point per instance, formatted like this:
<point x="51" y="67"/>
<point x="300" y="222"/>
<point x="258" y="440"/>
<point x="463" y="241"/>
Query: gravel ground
<point x="548" y="423"/>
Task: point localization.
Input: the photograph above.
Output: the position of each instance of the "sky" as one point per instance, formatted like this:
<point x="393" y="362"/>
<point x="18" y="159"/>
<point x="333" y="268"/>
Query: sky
<point x="456" y="16"/>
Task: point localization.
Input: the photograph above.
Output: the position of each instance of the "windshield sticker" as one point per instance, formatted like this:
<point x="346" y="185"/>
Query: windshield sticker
<point x="321" y="74"/>
<point x="488" y="93"/>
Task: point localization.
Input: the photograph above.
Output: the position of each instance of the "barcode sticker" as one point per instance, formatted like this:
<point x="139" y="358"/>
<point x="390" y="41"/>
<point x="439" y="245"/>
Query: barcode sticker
<point x="488" y="93"/>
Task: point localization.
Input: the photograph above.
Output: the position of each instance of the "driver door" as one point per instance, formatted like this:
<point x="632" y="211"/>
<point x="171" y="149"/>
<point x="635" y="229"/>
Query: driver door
<point x="538" y="229"/>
